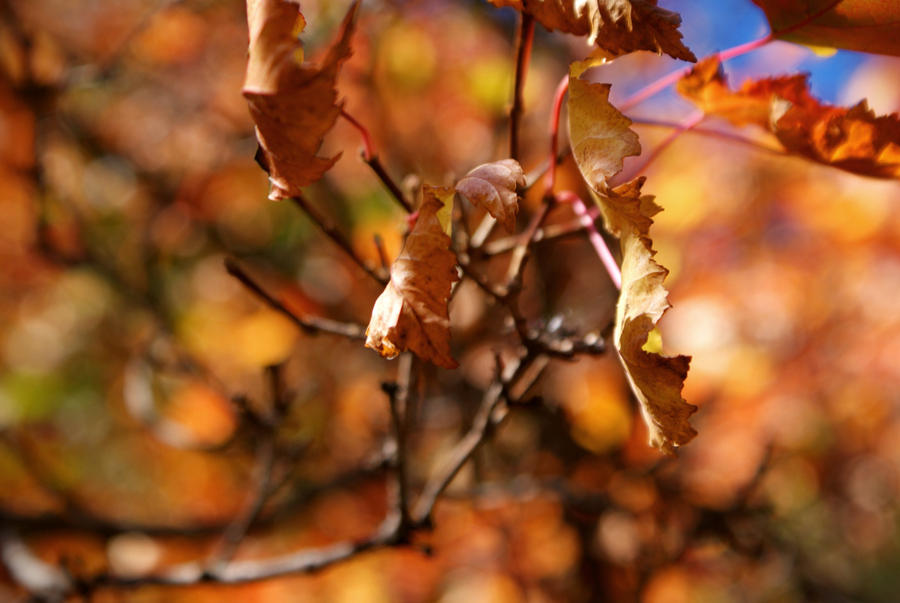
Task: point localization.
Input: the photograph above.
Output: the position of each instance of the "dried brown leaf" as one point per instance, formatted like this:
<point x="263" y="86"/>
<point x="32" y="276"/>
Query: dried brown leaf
<point x="601" y="139"/>
<point x="618" y="26"/>
<point x="854" y="139"/>
<point x="411" y="313"/>
<point x="293" y="104"/>
<point x="493" y="186"/>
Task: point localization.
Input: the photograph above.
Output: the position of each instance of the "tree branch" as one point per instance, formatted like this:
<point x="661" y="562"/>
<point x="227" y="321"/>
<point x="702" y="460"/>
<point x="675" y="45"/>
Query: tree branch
<point x="398" y="399"/>
<point x="331" y="231"/>
<point x="523" y="56"/>
<point x="467" y="446"/>
<point x="262" y="489"/>
<point x="310" y="324"/>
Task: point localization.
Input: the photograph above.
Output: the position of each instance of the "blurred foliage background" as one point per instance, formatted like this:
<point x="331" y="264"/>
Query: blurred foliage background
<point x="127" y="176"/>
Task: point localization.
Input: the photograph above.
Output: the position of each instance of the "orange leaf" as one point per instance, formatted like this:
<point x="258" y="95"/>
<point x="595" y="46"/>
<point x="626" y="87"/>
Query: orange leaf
<point x="493" y="186"/>
<point x="854" y="139"/>
<point x="411" y="313"/>
<point x="293" y="104"/>
<point x="618" y="26"/>
<point x="853" y="24"/>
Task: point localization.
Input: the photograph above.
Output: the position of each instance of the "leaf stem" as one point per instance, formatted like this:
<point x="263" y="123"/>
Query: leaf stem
<point x="603" y="252"/>
<point x="372" y="160"/>
<point x="368" y="153"/>
<point x="558" y="97"/>
<point x="711" y="133"/>
<point x="547" y="233"/>
<point x="680" y="128"/>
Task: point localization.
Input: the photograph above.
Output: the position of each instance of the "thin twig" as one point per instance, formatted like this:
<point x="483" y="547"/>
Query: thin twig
<point x="544" y="234"/>
<point x="517" y="262"/>
<point x="331" y="231"/>
<point x="309" y="324"/>
<point x="483" y="231"/>
<point x="711" y="133"/>
<point x="382" y="252"/>
<point x="523" y="56"/>
<point x="237" y="530"/>
<point x="375" y="163"/>
<point x="371" y="159"/>
<point x="398" y="399"/>
<point x="45" y="582"/>
<point x="236" y="572"/>
<point x="685" y="125"/>
<point x="558" y="98"/>
<point x="603" y="252"/>
<point x="367" y="152"/>
<point x="467" y="446"/>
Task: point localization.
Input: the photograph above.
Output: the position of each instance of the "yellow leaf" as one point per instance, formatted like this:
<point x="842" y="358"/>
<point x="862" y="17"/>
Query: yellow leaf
<point x="598" y="133"/>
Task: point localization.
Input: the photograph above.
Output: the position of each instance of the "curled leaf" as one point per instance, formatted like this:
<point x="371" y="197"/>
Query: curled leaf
<point x="617" y="26"/>
<point x="293" y="104"/>
<point x="656" y="379"/>
<point x="852" y="139"/>
<point x="853" y="24"/>
<point x="493" y="186"/>
<point x="601" y="139"/>
<point x="411" y="313"/>
<point x="598" y="133"/>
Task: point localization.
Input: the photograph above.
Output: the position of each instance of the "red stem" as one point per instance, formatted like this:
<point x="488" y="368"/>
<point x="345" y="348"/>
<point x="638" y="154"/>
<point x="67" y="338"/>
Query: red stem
<point x="729" y="53"/>
<point x="373" y="162"/>
<point x="368" y="153"/>
<point x="558" y="97"/>
<point x="721" y="135"/>
<point x="683" y="126"/>
<point x="603" y="252"/>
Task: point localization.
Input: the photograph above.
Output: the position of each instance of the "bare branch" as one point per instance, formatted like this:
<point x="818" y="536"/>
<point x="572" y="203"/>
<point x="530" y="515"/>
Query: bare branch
<point x="467" y="446"/>
<point x="541" y="235"/>
<point x="310" y="324"/>
<point x="331" y="231"/>
<point x="236" y="572"/>
<point x="256" y="500"/>
<point x="398" y="398"/>
<point x="523" y="56"/>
